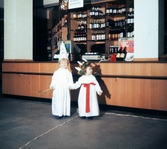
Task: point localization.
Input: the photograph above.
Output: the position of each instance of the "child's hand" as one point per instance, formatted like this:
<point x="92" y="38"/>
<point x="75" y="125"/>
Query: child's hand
<point x="100" y="93"/>
<point x="70" y="88"/>
<point x="51" y="87"/>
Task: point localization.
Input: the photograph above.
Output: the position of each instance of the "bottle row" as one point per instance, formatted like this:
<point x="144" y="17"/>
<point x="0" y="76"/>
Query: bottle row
<point x="96" y="23"/>
<point x="80" y="14"/>
<point x="95" y="36"/>
<point x="115" y="8"/>
<point x="101" y="24"/>
<point x="110" y="9"/>
<point x="117" y="54"/>
<point x="113" y="34"/>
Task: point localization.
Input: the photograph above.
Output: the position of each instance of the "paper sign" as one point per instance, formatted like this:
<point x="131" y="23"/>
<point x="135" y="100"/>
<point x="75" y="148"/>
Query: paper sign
<point x="75" y="4"/>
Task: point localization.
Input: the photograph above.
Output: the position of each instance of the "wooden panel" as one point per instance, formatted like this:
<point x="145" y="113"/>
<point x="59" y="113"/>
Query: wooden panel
<point x="20" y="67"/>
<point x="9" y="82"/>
<point x="129" y="69"/>
<point x="32" y="84"/>
<point x="159" y="69"/>
<point x="48" y="67"/>
<point x="159" y="94"/>
<point x="20" y="84"/>
<point x="134" y="69"/>
<point x="126" y="92"/>
<point x="44" y="84"/>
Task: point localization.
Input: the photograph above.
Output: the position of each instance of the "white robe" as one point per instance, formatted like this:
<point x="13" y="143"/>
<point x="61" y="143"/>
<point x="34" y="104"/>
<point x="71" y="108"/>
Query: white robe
<point x="94" y="107"/>
<point x="61" y="100"/>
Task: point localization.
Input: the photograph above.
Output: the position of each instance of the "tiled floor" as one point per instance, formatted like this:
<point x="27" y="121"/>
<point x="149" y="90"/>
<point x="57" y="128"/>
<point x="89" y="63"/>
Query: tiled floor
<point x="28" y="124"/>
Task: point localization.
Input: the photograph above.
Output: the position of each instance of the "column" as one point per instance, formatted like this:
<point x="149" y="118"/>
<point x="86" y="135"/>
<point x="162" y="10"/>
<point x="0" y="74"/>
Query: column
<point x="146" y="29"/>
<point x="18" y="30"/>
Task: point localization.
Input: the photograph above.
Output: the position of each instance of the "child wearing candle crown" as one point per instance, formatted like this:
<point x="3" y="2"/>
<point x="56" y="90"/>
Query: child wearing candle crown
<point x="87" y="99"/>
<point x="61" y="79"/>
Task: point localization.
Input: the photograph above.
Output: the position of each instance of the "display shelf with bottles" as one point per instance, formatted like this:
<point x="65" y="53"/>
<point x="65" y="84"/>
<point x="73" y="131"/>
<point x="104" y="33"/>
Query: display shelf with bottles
<point x="100" y="25"/>
<point x="59" y="32"/>
<point x="116" y="22"/>
<point x="49" y="45"/>
<point x="96" y="28"/>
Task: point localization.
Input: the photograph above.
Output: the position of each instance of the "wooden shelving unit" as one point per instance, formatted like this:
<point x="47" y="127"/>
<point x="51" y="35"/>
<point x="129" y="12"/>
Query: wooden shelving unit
<point x="120" y="15"/>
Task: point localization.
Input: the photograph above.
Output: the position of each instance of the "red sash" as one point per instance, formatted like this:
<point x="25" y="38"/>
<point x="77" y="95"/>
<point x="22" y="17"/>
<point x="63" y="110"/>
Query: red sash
<point x="87" y="85"/>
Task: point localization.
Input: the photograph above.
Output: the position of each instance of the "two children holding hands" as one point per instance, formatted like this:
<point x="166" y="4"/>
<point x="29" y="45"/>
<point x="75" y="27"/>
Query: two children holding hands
<point x="62" y="82"/>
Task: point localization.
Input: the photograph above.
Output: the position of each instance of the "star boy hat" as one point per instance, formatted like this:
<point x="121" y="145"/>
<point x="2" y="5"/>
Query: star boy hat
<point x="63" y="53"/>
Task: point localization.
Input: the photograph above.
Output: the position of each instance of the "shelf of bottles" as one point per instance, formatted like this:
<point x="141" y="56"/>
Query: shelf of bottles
<point x="97" y="24"/>
<point x="79" y="26"/>
<point x="120" y="20"/>
<point x="103" y="24"/>
<point x="49" y="45"/>
<point x="130" y="21"/>
<point x="116" y="20"/>
<point x="80" y="34"/>
<point x="119" y="24"/>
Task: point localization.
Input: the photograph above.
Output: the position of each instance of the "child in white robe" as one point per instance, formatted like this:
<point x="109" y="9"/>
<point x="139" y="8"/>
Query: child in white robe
<point x="87" y="99"/>
<point x="61" y="79"/>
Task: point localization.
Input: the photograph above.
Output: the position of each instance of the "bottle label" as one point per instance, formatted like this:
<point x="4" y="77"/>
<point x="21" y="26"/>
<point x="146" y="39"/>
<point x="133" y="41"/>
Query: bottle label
<point x="130" y="9"/>
<point x="132" y="20"/>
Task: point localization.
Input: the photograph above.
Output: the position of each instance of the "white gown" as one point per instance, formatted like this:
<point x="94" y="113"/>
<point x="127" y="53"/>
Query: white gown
<point x="61" y="99"/>
<point x="93" y="101"/>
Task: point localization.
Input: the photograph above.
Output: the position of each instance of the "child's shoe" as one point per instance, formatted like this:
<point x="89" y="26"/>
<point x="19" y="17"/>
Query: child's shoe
<point x="58" y="117"/>
<point x="90" y="118"/>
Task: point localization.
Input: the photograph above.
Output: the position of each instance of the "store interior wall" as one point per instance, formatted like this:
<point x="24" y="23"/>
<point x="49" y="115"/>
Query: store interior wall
<point x="41" y="23"/>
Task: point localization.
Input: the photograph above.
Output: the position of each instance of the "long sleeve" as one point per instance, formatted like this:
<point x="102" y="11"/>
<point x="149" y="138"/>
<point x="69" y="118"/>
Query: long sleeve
<point x="76" y="84"/>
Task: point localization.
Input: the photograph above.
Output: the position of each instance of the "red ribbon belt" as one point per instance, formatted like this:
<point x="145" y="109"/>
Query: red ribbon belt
<point x="87" y="85"/>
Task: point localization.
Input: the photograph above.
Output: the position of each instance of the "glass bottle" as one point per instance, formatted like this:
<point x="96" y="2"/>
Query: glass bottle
<point x="108" y="9"/>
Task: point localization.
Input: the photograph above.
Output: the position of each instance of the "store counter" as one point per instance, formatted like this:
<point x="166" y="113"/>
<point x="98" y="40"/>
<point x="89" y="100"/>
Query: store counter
<point x="127" y="84"/>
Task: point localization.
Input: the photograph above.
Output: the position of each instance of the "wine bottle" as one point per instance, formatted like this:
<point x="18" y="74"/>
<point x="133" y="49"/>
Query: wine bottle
<point x="85" y="27"/>
<point x="93" y="36"/>
<point x="109" y="35"/>
<point x="91" y="24"/>
<point x="107" y="23"/>
<point x="79" y="25"/>
<point x="131" y="8"/>
<point x="93" y="11"/>
<point x="132" y="19"/>
<point x="108" y="9"/>
<point x="82" y="25"/>
<point x="123" y="53"/>
<point x="111" y="8"/>
<point x="123" y="8"/>
<point x="115" y="9"/>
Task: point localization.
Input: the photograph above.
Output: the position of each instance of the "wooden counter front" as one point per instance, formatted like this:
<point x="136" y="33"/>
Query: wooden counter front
<point x="136" y="85"/>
